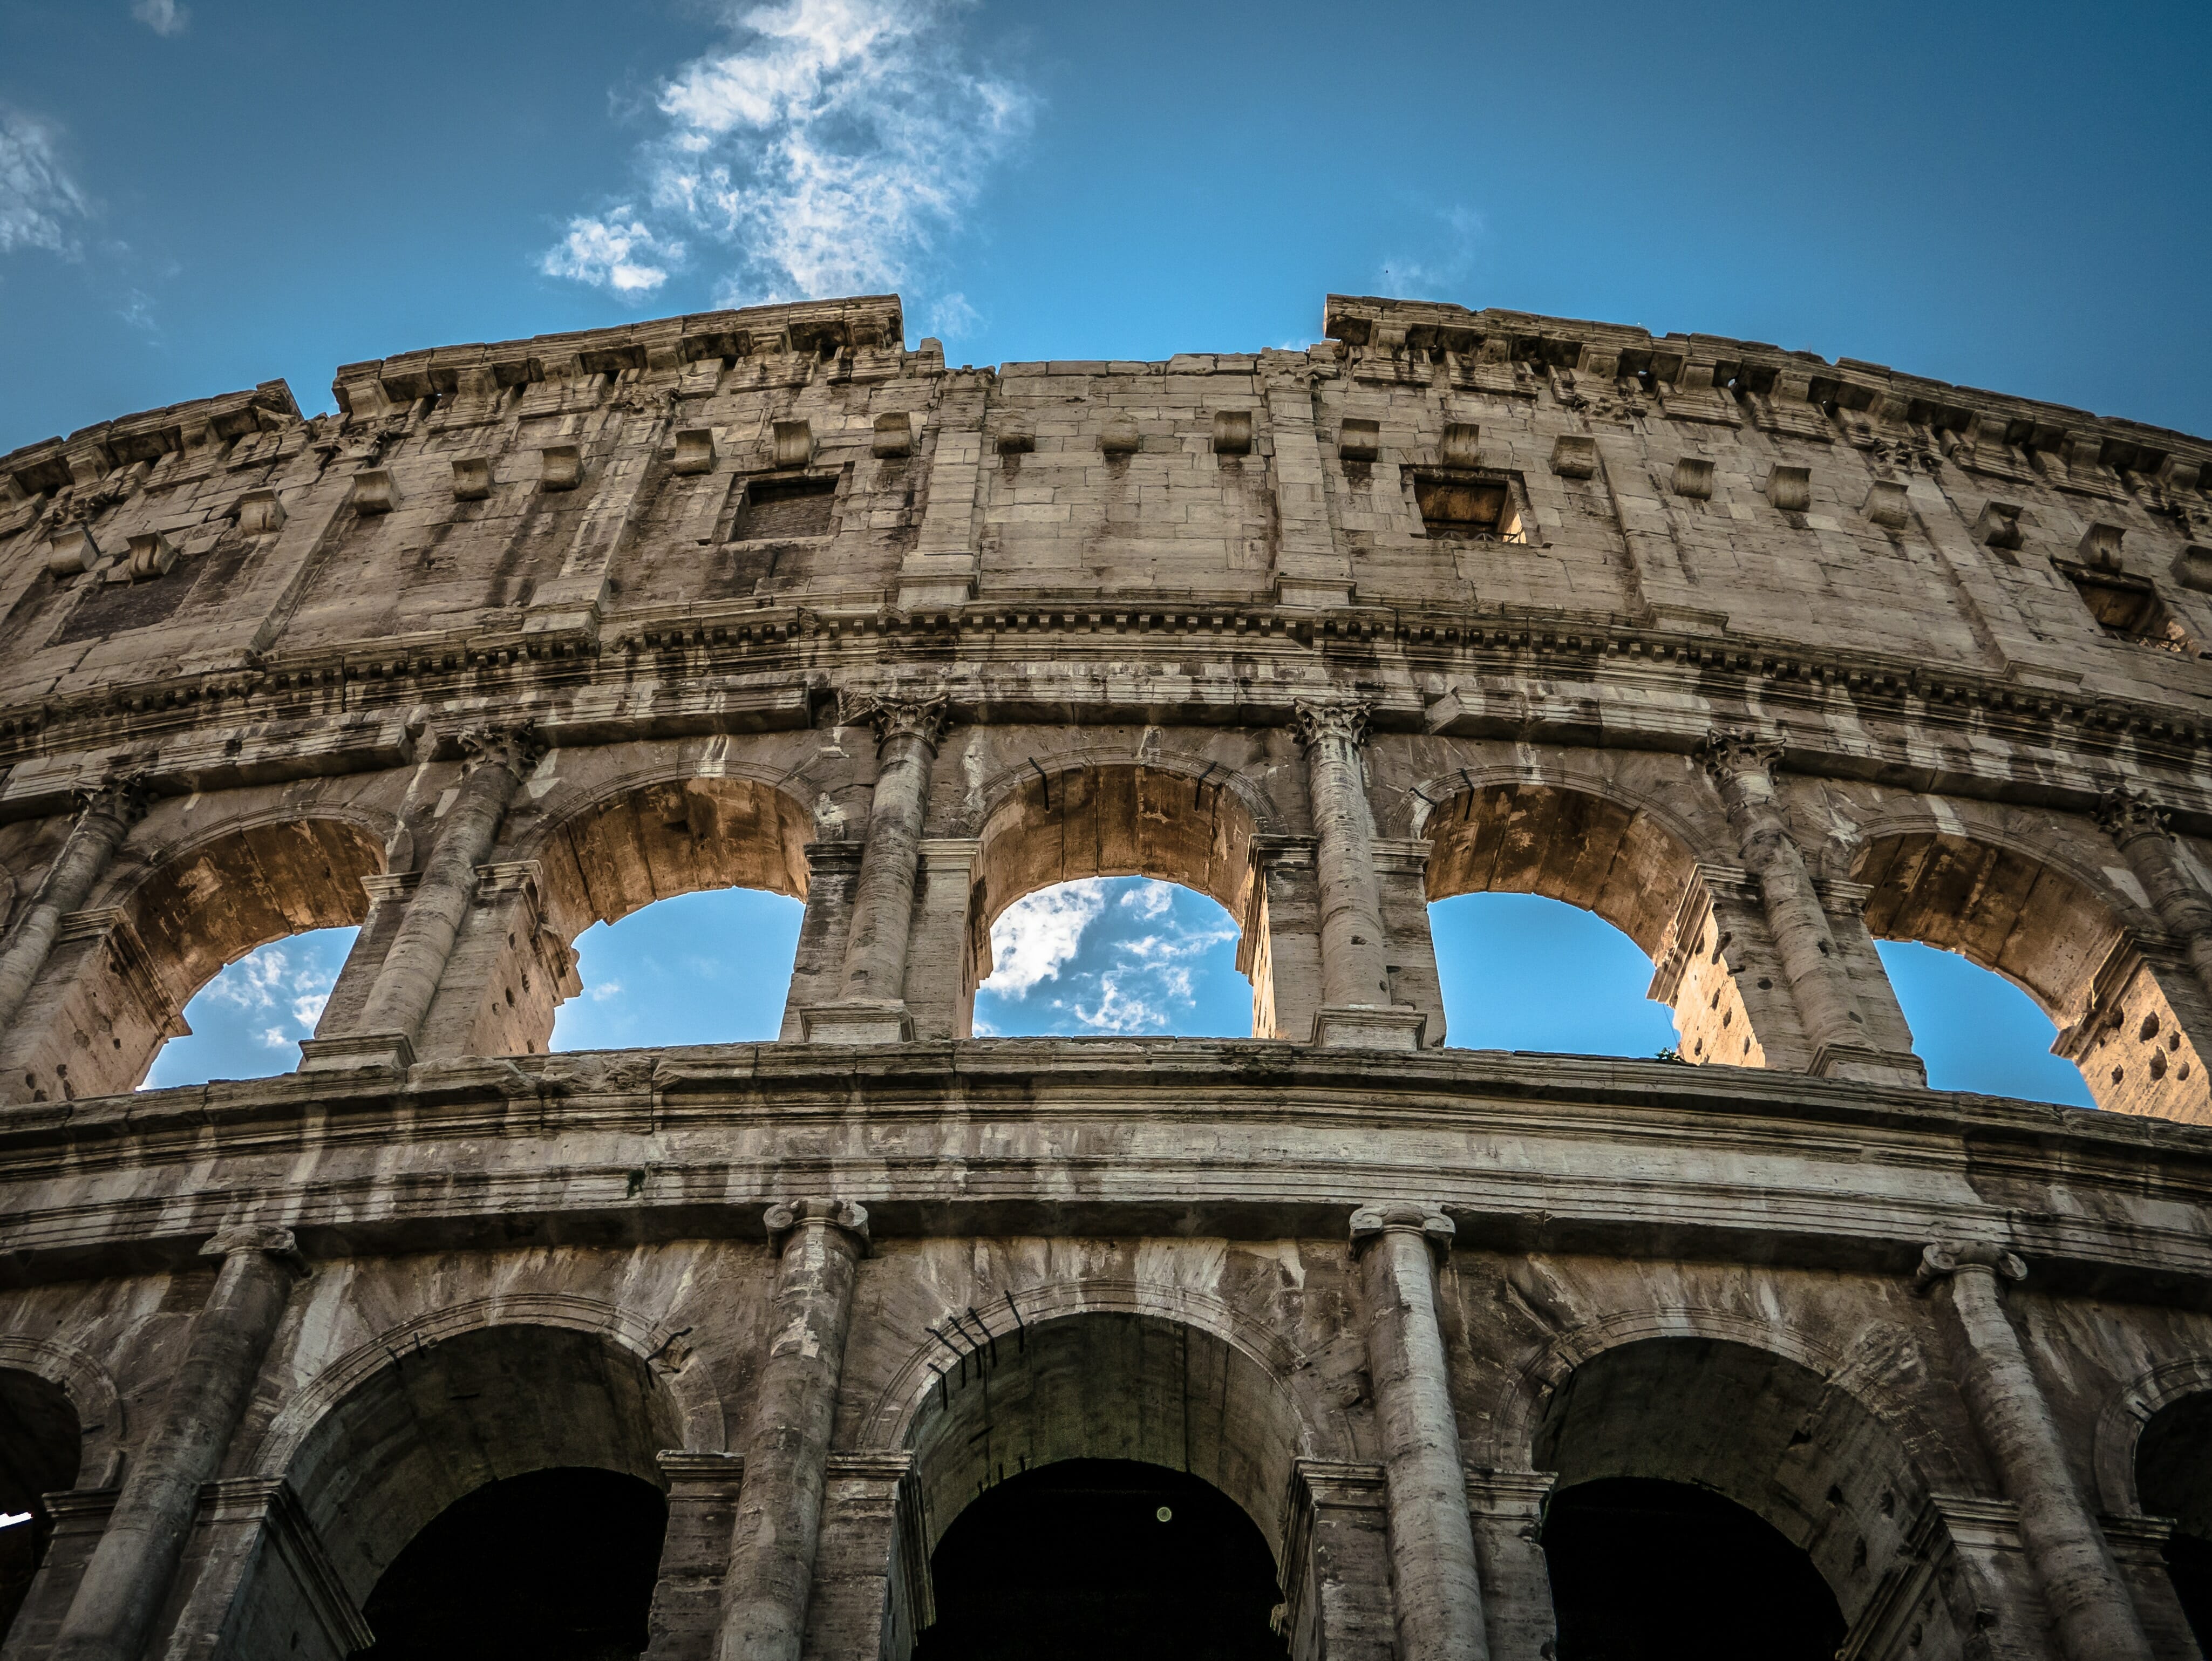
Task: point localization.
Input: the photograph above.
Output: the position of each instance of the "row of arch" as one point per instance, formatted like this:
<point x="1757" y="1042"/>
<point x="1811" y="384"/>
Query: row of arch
<point x="2045" y="915"/>
<point x="1712" y="1429"/>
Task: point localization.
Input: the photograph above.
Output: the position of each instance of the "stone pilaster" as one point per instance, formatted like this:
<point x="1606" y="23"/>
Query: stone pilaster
<point x="105" y="815"/>
<point x="694" y="1554"/>
<point x="1336" y="1564"/>
<point x="498" y="759"/>
<point x="124" y="1587"/>
<point x="862" y="1604"/>
<point x="1507" y="1507"/>
<point x="871" y="1007"/>
<point x="1309" y="568"/>
<point x="941" y="569"/>
<point x="1438" y="1586"/>
<point x="2137" y="826"/>
<point x="1279" y="949"/>
<point x="786" y="1450"/>
<point x="79" y="1517"/>
<point x="1742" y="764"/>
<point x="1356" y="1006"/>
<point x="252" y="1533"/>
<point x="817" y="967"/>
<point x="2068" y="1554"/>
<point x="1401" y="876"/>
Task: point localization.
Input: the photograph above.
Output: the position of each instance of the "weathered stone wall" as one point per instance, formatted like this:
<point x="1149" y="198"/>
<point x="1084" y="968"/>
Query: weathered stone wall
<point x="1759" y="658"/>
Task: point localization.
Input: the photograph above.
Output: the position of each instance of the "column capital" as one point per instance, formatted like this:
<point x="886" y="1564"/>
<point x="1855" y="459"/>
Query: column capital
<point x="1371" y="1222"/>
<point x="1729" y="751"/>
<point x="2126" y="813"/>
<point x="894" y="715"/>
<point x="267" y="1239"/>
<point x="119" y="796"/>
<point x="1342" y="718"/>
<point x="785" y="1217"/>
<point x="1940" y="1260"/>
<point x="515" y="745"/>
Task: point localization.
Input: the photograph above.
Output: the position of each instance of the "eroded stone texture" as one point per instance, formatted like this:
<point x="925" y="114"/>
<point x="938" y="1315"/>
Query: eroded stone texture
<point x="1761" y="659"/>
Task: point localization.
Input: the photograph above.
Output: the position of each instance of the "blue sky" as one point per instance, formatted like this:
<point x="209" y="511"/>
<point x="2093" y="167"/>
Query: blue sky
<point x="199" y="195"/>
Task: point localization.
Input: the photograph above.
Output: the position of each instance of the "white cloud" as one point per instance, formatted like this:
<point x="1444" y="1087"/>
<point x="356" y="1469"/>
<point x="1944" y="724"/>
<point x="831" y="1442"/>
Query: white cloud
<point x="1149" y="899"/>
<point x="39" y="203"/>
<point x="1040" y="934"/>
<point x="608" y="253"/>
<point x="1438" y="269"/>
<point x="826" y="147"/>
<point x="307" y="1009"/>
<point x="275" y="1037"/>
<point x="255" y="981"/>
<point x="603" y="990"/>
<point x="164" y="17"/>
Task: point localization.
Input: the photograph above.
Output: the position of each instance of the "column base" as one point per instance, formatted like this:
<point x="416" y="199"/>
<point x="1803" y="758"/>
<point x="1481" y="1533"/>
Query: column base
<point x="366" y="1052"/>
<point x="856" y="1021"/>
<point x="1864" y="1064"/>
<point x="1369" y="1026"/>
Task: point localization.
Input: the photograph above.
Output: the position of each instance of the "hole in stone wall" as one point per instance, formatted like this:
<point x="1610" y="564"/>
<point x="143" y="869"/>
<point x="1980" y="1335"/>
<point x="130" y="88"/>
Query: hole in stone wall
<point x="1467" y="508"/>
<point x="557" y="1565"/>
<point x="1520" y="971"/>
<point x="2174" y="1478"/>
<point x="1104" y="1558"/>
<point x="38" y="1441"/>
<point x="1975" y="1030"/>
<point x="1104" y="956"/>
<point x="779" y="508"/>
<point x="1644" y="1570"/>
<point x="247" y="1022"/>
<point x="2128" y="608"/>
<point x="711" y="967"/>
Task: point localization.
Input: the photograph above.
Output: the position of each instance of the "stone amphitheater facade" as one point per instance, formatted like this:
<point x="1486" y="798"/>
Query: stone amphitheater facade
<point x="1761" y="658"/>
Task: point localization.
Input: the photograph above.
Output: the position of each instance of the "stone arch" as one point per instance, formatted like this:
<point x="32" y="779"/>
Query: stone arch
<point x="169" y="921"/>
<point x="1171" y="816"/>
<point x="1765" y="1416"/>
<point x="1644" y="863"/>
<point x="2127" y="1009"/>
<point x="426" y="1423"/>
<point x="91" y="1392"/>
<point x="2120" y="1426"/>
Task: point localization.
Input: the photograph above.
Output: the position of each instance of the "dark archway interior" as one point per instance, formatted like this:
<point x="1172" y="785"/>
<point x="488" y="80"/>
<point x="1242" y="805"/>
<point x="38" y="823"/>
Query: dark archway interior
<point x="557" y="1565"/>
<point x="2173" y="1477"/>
<point x="1653" y="1571"/>
<point x="38" y="1440"/>
<point x="1075" y="1559"/>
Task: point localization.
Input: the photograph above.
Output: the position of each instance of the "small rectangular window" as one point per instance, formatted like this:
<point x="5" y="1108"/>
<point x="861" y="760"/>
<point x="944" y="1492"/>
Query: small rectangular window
<point x="776" y="509"/>
<point x="2128" y="608"/>
<point x="1467" y="508"/>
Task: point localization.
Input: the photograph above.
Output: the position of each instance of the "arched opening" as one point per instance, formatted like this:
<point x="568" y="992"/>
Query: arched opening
<point x="1976" y="1030"/>
<point x="1057" y="833"/>
<point x="441" y="1424"/>
<point x="677" y="971"/>
<point x="1711" y="968"/>
<point x="110" y="997"/>
<point x="2003" y="910"/>
<point x="38" y="1449"/>
<point x="1092" y="1403"/>
<point x="1702" y="1459"/>
<point x="551" y="1566"/>
<point x="247" y="1022"/>
<point x="1107" y="955"/>
<point x="1520" y="971"/>
<point x="2174" y="1478"/>
<point x="1170" y="1568"/>
<point x="1649" y="1571"/>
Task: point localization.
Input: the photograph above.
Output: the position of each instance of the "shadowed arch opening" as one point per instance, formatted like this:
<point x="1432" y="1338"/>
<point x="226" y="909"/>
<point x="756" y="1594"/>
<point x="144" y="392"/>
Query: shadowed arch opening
<point x="436" y="1426"/>
<point x="1125" y="820"/>
<point x="2048" y="934"/>
<point x="1687" y="1420"/>
<point x="596" y="867"/>
<point x="1169" y="1399"/>
<point x="110" y="998"/>
<point x="2173" y="1476"/>
<point x="1709" y="964"/>
<point x="39" y="1454"/>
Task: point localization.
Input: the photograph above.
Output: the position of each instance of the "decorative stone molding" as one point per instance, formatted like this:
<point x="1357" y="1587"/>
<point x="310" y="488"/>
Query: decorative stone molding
<point x="1232" y="432"/>
<point x="266" y="1239"/>
<point x="1739" y="750"/>
<point x="894" y="716"/>
<point x="1342" y="719"/>
<point x="374" y="492"/>
<point x="1120" y="436"/>
<point x="1789" y="489"/>
<point x="1460" y="445"/>
<point x="1574" y="455"/>
<point x="894" y="436"/>
<point x="1694" y="479"/>
<point x="471" y="478"/>
<point x="1371" y="1222"/>
<point x="792" y="444"/>
<point x="695" y="451"/>
<point x="1998" y="526"/>
<point x="785" y="1217"/>
<point x="2124" y="812"/>
<point x="259" y="514"/>
<point x="1358" y="440"/>
<point x="560" y="467"/>
<point x="1940" y="1260"/>
<point x="518" y="747"/>
<point x="1887" y="505"/>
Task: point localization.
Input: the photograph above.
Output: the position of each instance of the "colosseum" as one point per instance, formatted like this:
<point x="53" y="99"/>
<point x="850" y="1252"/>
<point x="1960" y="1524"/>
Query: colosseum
<point x="1350" y="1345"/>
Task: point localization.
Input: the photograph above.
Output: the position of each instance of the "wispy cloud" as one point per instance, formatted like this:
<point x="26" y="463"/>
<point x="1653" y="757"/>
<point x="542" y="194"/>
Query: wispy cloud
<point x="1040" y="934"/>
<point x="823" y="150"/>
<point x="164" y="17"/>
<point x="40" y="205"/>
<point x="1441" y="262"/>
<point x="1124" y="955"/>
<point x="268" y="979"/>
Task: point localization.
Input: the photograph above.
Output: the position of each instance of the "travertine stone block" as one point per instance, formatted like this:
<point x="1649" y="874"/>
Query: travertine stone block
<point x="1574" y="455"/>
<point x="1694" y="479"/>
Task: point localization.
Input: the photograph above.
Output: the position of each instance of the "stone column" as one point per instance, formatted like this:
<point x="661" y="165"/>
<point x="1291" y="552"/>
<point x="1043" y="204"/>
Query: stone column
<point x="786" y="1450"/>
<point x="1355" y="1008"/>
<point x="871" y="1007"/>
<point x="105" y="816"/>
<point x="1433" y="1563"/>
<point x="498" y="759"/>
<point x="1742" y="764"/>
<point x="127" y="1580"/>
<point x="2066" y="1552"/>
<point x="2137" y="826"/>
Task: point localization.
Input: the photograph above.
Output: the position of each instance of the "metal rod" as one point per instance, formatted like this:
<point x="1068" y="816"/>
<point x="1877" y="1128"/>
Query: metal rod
<point x="986" y="1331"/>
<point x="1021" y="1327"/>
